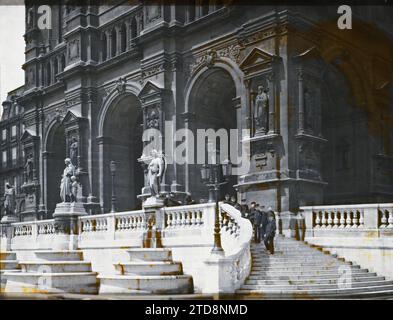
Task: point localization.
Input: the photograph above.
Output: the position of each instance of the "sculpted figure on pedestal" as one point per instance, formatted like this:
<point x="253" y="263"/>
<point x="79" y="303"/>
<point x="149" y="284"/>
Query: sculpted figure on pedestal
<point x="66" y="183"/>
<point x="261" y="109"/>
<point x="155" y="173"/>
<point x="9" y="199"/>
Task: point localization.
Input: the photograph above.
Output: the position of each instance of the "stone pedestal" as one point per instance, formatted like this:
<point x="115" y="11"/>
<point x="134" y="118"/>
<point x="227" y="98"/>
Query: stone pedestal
<point x="287" y="222"/>
<point x="154" y="221"/>
<point x="66" y="223"/>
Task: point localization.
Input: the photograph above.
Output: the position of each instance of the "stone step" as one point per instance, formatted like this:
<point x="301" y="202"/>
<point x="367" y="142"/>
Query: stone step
<point x="300" y="272"/>
<point x="60" y="255"/>
<point x="303" y="268"/>
<point x="316" y="262"/>
<point x="43" y="282"/>
<point x="150" y="254"/>
<point x="7" y="255"/>
<point x="314" y="281"/>
<point x="380" y="290"/>
<point x="175" y="284"/>
<point x="55" y="266"/>
<point x="308" y="276"/>
<point x="150" y="268"/>
<point x="283" y="259"/>
<point x="8" y="264"/>
<point x="317" y="286"/>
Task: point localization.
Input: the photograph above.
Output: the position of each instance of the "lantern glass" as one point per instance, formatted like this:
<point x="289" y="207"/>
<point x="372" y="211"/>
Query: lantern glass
<point x="112" y="166"/>
<point x="226" y="168"/>
<point x="205" y="173"/>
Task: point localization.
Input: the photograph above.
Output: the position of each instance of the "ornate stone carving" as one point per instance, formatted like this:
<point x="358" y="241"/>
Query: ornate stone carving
<point x="73" y="50"/>
<point x="258" y="36"/>
<point x="153" y="117"/>
<point x="66" y="183"/>
<point x="152" y="71"/>
<point x="121" y="85"/>
<point x="155" y="172"/>
<point x="209" y="57"/>
<point x="153" y="13"/>
<point x="57" y="114"/>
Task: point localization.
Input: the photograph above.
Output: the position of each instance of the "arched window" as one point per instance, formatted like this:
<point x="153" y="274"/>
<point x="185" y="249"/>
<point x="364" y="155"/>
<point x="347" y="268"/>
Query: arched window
<point x="123" y="38"/>
<point x="63" y="62"/>
<point x="48" y="74"/>
<point x="103" y="47"/>
<point x="114" y="42"/>
<point x="134" y="30"/>
<point x="55" y="67"/>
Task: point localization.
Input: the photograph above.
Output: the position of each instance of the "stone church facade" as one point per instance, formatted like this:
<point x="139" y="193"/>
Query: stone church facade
<point x="104" y="74"/>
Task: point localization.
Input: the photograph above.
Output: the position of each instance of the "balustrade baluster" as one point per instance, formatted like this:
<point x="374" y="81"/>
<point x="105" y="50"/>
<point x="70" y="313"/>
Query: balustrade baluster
<point x="355" y="219"/>
<point x="317" y="221"/>
<point x="335" y="220"/>
<point x="342" y="219"/>
<point x="329" y="219"/>
<point x="384" y="220"/>
<point x="348" y="220"/>
<point x="323" y="220"/>
<point x="390" y="220"/>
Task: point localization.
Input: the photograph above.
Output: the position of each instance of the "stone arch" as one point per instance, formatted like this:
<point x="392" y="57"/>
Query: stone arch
<point x="216" y="111"/>
<point x="54" y="154"/>
<point x="120" y="140"/>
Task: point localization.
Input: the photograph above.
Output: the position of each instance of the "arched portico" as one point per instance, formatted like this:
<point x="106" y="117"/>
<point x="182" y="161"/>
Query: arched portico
<point x="120" y="140"/>
<point x="213" y="96"/>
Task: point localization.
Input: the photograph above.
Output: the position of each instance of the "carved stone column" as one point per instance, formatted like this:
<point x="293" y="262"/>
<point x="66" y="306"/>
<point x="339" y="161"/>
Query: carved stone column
<point x="108" y="44"/>
<point x="272" y="102"/>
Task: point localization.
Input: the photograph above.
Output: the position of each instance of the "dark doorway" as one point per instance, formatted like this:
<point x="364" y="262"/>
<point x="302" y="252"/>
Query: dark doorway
<point x="123" y="128"/>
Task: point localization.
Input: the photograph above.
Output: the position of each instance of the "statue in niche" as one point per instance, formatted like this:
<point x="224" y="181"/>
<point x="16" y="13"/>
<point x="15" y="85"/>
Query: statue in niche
<point x="66" y="183"/>
<point x="74" y="151"/>
<point x="9" y="198"/>
<point x="261" y="110"/>
<point x="155" y="172"/>
<point x="29" y="167"/>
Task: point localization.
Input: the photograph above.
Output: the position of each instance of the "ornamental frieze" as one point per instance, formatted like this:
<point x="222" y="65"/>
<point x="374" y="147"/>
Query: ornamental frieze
<point x="209" y="57"/>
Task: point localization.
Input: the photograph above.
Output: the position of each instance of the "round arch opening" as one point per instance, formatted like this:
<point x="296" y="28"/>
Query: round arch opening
<point x="123" y="130"/>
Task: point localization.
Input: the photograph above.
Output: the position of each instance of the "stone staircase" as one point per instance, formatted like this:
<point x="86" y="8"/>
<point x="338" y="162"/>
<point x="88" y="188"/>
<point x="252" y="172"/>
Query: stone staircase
<point x="298" y="270"/>
<point x="149" y="271"/>
<point x="53" y="272"/>
<point x="8" y="263"/>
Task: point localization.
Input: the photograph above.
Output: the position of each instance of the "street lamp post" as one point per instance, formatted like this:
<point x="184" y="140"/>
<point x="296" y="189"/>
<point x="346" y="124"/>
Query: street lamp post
<point x="212" y="175"/>
<point x="112" y="167"/>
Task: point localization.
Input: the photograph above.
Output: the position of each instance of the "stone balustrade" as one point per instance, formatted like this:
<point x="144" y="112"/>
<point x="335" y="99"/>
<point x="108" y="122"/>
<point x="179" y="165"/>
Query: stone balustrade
<point x="357" y="219"/>
<point x="187" y="230"/>
<point x="361" y="233"/>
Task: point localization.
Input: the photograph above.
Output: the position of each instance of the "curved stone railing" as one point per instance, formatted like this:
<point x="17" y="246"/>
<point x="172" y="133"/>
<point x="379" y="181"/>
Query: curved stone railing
<point x="236" y="236"/>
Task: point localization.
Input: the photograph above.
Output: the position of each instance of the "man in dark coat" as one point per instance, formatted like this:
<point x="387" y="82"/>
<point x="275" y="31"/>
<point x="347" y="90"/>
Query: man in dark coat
<point x="264" y="220"/>
<point x="256" y="221"/>
<point x="244" y="208"/>
<point x="270" y="232"/>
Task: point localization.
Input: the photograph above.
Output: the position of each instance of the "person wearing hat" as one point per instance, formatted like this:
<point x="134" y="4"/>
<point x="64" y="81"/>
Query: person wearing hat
<point x="270" y="232"/>
<point x="256" y="220"/>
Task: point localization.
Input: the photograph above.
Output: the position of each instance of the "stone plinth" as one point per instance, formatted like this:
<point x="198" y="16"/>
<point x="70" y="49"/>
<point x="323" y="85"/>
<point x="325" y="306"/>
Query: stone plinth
<point x="66" y="215"/>
<point x="153" y="218"/>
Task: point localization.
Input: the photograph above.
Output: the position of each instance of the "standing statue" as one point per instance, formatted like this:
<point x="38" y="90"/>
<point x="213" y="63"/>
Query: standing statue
<point x="66" y="183"/>
<point x="29" y="167"/>
<point x="261" y="109"/>
<point x="9" y="199"/>
<point x="74" y="152"/>
<point x="155" y="172"/>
